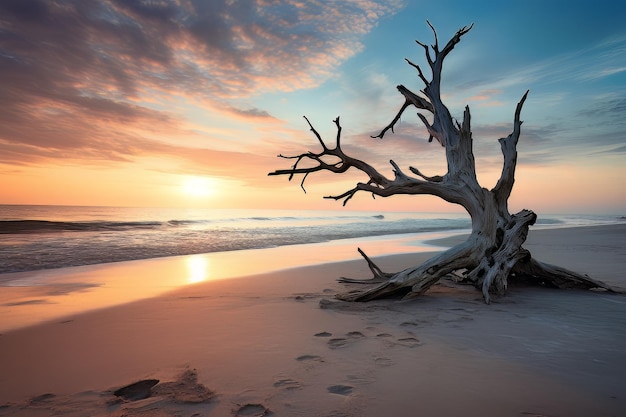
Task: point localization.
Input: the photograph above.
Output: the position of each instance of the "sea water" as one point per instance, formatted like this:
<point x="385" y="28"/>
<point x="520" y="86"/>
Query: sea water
<point x="46" y="237"/>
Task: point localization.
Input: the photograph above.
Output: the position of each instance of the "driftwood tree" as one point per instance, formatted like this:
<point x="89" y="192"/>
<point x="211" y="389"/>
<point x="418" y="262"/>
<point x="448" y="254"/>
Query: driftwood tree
<point x="493" y="253"/>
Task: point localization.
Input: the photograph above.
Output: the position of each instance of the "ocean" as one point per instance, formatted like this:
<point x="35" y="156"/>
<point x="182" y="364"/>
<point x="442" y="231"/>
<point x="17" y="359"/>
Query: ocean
<point x="46" y="237"/>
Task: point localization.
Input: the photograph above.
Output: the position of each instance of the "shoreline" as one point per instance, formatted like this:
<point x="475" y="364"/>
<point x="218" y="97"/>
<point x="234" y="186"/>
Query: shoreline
<point x="263" y="340"/>
<point x="32" y="297"/>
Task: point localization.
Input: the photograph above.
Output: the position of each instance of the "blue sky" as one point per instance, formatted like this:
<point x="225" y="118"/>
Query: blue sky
<point x="115" y="102"/>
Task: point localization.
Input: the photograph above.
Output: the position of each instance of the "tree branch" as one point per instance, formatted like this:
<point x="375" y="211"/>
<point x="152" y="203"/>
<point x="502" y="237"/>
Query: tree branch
<point x="436" y="45"/>
<point x="406" y="104"/>
<point x="379" y="274"/>
<point x="442" y="129"/>
<point x="442" y="120"/>
<point x="342" y="164"/>
<point x="410" y="98"/>
<point x="436" y="178"/>
<point x="453" y="41"/>
<point x="317" y="135"/>
<point x="508" y="145"/>
<point x="420" y="73"/>
<point x="377" y="184"/>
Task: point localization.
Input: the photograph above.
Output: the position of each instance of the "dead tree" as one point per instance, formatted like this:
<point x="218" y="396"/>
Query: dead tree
<point x="493" y="252"/>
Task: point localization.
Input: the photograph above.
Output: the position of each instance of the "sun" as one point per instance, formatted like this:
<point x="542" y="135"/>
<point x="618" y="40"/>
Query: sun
<point x="197" y="186"/>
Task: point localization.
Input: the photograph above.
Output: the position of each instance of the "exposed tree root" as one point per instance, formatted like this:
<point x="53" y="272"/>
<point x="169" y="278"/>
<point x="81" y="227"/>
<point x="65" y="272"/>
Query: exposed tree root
<point x="415" y="280"/>
<point x="555" y="276"/>
<point x="461" y="261"/>
<point x="379" y="275"/>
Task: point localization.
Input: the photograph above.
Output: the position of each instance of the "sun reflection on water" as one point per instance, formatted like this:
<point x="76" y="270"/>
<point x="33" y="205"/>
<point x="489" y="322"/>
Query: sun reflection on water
<point x="198" y="267"/>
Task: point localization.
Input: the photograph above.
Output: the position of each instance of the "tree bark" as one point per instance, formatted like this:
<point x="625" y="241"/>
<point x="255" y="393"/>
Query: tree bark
<point x="493" y="252"/>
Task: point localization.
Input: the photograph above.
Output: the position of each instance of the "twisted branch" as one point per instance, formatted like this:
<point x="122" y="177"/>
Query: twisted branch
<point x="379" y="274"/>
<point x="377" y="183"/>
<point x="431" y="90"/>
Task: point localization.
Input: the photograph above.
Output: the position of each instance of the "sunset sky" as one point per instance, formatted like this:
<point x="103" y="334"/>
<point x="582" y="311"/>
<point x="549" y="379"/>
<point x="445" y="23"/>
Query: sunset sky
<point x="187" y="103"/>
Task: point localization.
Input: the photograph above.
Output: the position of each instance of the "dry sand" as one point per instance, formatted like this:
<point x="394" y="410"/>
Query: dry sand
<point x="261" y="345"/>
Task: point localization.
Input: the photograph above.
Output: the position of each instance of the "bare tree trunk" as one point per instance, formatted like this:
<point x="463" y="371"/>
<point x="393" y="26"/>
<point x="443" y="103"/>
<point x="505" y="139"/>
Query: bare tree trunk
<point x="493" y="252"/>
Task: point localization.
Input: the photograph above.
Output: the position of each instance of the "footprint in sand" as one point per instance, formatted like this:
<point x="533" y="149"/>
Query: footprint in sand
<point x="305" y="358"/>
<point x="337" y="343"/>
<point x="409" y="342"/>
<point x="415" y="323"/>
<point x="383" y="361"/>
<point x="287" y="384"/>
<point x="42" y="398"/>
<point x="362" y="378"/>
<point x="323" y="334"/>
<point x="254" y="410"/>
<point x="340" y="342"/>
<point x="340" y="389"/>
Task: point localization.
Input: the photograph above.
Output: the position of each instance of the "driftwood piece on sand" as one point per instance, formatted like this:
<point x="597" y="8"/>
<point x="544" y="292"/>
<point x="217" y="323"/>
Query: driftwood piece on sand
<point x="493" y="253"/>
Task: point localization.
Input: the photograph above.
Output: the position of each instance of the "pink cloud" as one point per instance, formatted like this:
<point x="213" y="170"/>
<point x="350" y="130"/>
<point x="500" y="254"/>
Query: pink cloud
<point x="78" y="73"/>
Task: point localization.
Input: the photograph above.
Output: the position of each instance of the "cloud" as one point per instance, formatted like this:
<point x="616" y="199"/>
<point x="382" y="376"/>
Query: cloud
<point x="601" y="60"/>
<point x="251" y="113"/>
<point x="485" y="95"/>
<point x="578" y="91"/>
<point x="91" y="78"/>
<point x="217" y="48"/>
<point x="618" y="150"/>
<point x="612" y="105"/>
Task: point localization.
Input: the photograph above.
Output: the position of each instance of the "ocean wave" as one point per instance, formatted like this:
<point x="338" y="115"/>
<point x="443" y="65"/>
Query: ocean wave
<point x="47" y="226"/>
<point x="541" y="220"/>
<point x="39" y="237"/>
<point x="185" y="222"/>
<point x="122" y="241"/>
<point x="28" y="226"/>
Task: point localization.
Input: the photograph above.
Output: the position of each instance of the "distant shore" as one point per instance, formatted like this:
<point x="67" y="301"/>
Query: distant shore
<point x="261" y="343"/>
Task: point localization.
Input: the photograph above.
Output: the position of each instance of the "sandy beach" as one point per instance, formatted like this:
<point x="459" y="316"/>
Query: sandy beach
<point x="279" y="344"/>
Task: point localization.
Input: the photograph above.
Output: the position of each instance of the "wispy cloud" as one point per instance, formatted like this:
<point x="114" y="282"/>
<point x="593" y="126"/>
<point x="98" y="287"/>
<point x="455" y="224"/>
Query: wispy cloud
<point x="604" y="59"/>
<point x="614" y="151"/>
<point x="89" y="79"/>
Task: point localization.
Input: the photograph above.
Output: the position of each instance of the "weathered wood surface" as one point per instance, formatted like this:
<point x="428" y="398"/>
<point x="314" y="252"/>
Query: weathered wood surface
<point x="493" y="253"/>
